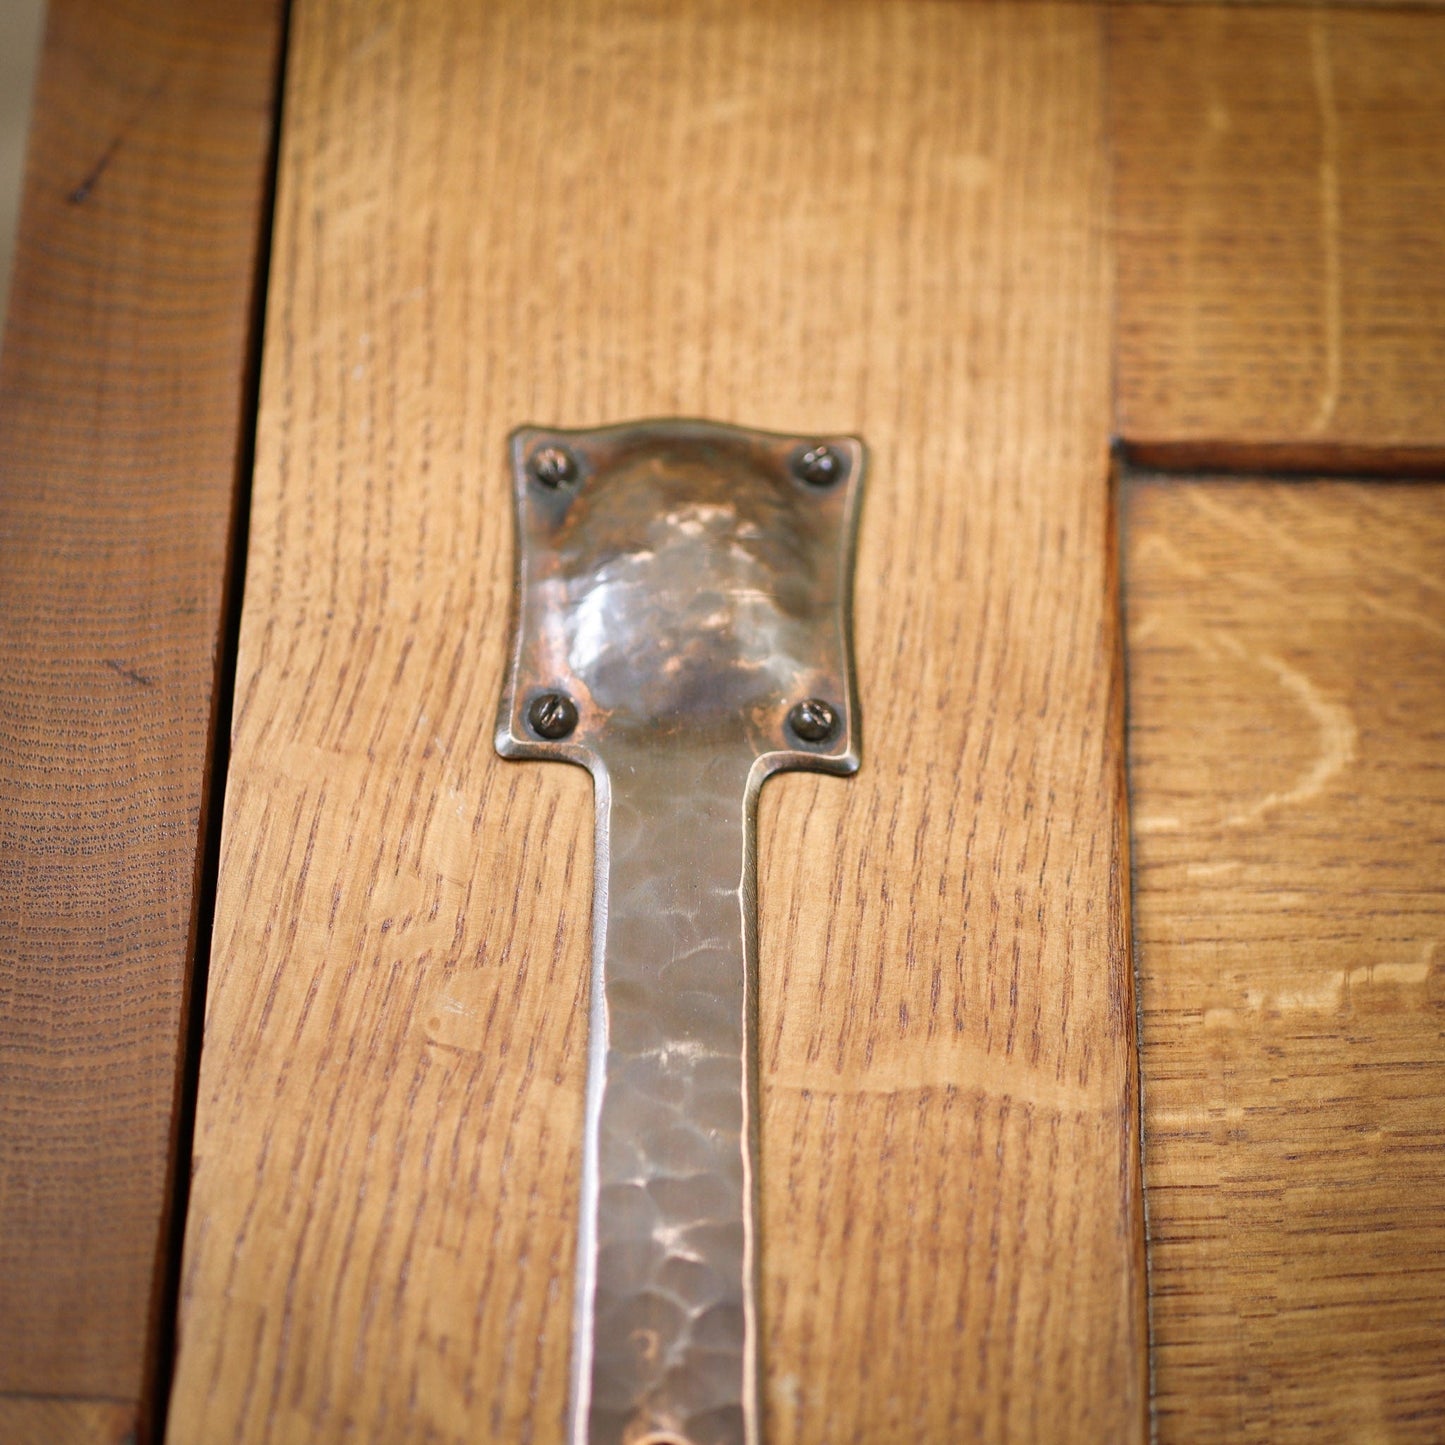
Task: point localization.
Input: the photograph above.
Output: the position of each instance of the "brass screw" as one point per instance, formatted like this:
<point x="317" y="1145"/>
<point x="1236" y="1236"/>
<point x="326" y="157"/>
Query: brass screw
<point x="554" y="466"/>
<point x="813" y="720"/>
<point x="552" y="715"/>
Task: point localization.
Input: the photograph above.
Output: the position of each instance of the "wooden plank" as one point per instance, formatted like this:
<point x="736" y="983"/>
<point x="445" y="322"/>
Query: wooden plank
<point x="883" y="218"/>
<point x="1280" y="197"/>
<point x="121" y="423"/>
<point x="1287" y="690"/>
<point x="38" y="1420"/>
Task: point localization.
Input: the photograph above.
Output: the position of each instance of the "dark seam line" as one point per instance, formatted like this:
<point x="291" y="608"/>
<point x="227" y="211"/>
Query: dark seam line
<point x="1119" y="480"/>
<point x="1132" y="469"/>
<point x="164" y="1330"/>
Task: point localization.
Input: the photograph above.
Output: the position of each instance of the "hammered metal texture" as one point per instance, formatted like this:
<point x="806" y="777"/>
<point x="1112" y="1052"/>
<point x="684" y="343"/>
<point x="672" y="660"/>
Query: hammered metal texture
<point x="672" y="1305"/>
<point x="685" y="586"/>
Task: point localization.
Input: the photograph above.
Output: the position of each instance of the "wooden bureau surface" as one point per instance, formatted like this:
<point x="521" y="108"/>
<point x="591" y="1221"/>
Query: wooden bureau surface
<point x="991" y="238"/>
<point x="691" y="220"/>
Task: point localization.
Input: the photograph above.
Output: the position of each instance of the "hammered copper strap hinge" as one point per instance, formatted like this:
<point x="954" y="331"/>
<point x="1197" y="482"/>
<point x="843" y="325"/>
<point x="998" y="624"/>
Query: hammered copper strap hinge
<point x="682" y="631"/>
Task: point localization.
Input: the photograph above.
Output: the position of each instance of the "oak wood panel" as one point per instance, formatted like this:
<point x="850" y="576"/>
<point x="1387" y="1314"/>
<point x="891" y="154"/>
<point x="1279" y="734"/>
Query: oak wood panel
<point x="122" y="392"/>
<point x="1280" y="198"/>
<point x="878" y="217"/>
<point x="47" y="1421"/>
<point x="1286" y="647"/>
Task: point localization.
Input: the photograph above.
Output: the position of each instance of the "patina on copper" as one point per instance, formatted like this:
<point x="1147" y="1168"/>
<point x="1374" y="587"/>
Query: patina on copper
<point x="682" y="631"/>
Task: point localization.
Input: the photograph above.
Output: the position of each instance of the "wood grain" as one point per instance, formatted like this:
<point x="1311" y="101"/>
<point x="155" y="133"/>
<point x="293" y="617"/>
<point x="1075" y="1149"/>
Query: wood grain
<point x="42" y="1421"/>
<point x="121" y="399"/>
<point x="1280" y="198"/>
<point x="877" y="218"/>
<point x="1286" y="648"/>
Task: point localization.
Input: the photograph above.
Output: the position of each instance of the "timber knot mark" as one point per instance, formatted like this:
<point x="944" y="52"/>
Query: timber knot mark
<point x="130" y="674"/>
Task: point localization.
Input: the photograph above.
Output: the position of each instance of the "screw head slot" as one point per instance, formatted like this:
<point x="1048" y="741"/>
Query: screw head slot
<point x="813" y="720"/>
<point x="552" y="715"/>
<point x="554" y="466"/>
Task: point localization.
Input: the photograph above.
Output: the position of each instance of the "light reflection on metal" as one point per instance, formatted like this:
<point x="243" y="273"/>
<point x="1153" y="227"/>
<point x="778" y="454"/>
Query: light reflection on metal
<point x="682" y="631"/>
